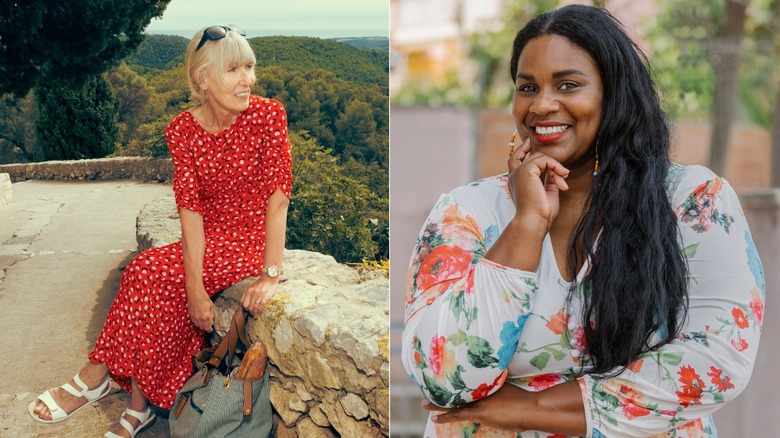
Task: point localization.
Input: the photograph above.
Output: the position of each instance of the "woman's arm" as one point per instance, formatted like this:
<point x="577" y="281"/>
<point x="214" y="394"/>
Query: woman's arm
<point x="464" y="313"/>
<point x="558" y="410"/>
<point x="193" y="244"/>
<point x="257" y="295"/>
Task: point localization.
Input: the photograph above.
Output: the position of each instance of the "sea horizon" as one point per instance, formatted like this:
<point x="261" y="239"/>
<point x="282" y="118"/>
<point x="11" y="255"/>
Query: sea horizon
<point x="252" y="33"/>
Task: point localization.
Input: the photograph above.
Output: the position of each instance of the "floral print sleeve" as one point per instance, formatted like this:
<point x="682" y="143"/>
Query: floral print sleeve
<point x="672" y="391"/>
<point x="464" y="314"/>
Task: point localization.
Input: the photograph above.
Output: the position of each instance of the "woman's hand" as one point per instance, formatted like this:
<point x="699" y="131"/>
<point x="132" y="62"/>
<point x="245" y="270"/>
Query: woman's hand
<point x="535" y="181"/>
<point x="257" y="295"/>
<point x="501" y="410"/>
<point x="201" y="309"/>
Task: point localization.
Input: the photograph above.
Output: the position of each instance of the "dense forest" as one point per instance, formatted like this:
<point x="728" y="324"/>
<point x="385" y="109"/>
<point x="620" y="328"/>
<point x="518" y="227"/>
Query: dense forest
<point x="336" y="95"/>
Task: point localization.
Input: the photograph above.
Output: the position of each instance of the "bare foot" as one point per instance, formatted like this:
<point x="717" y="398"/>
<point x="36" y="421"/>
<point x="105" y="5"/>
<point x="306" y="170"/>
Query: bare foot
<point x="65" y="400"/>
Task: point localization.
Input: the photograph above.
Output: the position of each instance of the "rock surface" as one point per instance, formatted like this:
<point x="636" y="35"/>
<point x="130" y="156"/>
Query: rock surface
<point x="326" y="332"/>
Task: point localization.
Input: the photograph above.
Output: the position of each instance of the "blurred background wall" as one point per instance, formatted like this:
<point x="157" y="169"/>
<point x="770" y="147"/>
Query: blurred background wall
<point x="715" y="64"/>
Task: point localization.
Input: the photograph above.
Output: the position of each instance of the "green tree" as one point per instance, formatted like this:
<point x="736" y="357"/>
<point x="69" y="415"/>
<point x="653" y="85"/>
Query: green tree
<point x="18" y="139"/>
<point x="132" y="95"/>
<point x="76" y="123"/>
<point x="61" y="49"/>
<point x="355" y="130"/>
<point x="329" y="210"/>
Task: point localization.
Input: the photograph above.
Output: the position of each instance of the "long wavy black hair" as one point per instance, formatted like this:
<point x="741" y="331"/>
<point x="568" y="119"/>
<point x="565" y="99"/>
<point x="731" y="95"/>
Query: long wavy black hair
<point x="636" y="291"/>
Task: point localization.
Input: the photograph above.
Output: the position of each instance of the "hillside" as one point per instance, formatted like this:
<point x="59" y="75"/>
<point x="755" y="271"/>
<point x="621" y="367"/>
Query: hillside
<point x="342" y="57"/>
<point x="158" y="52"/>
<point x="306" y="53"/>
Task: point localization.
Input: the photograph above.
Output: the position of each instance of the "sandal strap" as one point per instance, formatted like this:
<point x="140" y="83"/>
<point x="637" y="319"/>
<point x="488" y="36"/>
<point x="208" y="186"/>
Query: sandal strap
<point x="140" y="416"/>
<point x="89" y="394"/>
<point x="57" y="413"/>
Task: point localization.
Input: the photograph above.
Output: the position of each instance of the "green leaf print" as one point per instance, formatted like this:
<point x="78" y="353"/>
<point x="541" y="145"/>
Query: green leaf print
<point x="470" y="431"/>
<point x="719" y="398"/>
<point x="457" y="338"/>
<point x="457" y="381"/>
<point x="439" y="395"/>
<point x="480" y="353"/>
<point x="673" y="358"/>
<point x="610" y="401"/>
<point x="690" y="250"/>
<point x="540" y="360"/>
<point x="558" y="355"/>
<point x="458" y="400"/>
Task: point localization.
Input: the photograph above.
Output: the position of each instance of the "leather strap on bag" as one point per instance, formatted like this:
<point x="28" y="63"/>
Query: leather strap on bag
<point x="247" y="398"/>
<point x="228" y="343"/>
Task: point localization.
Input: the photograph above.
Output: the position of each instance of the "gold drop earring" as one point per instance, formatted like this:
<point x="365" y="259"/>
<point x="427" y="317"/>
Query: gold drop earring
<point x="596" y="167"/>
<point x="512" y="144"/>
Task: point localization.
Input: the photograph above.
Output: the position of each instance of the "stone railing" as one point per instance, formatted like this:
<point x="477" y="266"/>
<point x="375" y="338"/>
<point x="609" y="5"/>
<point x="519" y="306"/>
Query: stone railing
<point x="138" y="168"/>
<point x="326" y="332"/>
<point x="6" y="194"/>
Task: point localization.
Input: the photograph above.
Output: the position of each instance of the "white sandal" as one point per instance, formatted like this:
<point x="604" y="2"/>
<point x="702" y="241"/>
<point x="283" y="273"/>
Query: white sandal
<point x="57" y="413"/>
<point x="146" y="418"/>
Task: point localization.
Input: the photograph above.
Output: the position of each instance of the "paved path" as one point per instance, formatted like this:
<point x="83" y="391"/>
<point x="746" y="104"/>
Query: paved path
<point x="62" y="249"/>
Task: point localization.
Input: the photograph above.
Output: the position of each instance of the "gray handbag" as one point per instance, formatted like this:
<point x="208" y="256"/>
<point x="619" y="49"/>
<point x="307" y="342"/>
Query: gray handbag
<point x="227" y="397"/>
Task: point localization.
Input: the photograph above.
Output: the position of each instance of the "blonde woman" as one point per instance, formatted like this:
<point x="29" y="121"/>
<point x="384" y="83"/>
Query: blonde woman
<point x="232" y="183"/>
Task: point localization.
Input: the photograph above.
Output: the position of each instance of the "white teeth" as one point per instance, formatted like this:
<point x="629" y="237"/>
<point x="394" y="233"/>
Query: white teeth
<point x="242" y="94"/>
<point x="549" y="130"/>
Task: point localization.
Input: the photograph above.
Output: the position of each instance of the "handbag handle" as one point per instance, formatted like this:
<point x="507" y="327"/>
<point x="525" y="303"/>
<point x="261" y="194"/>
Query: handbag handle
<point x="228" y="343"/>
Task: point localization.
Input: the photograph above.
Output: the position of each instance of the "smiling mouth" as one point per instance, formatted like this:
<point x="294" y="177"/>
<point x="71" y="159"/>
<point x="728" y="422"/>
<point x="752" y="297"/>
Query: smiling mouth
<point x="244" y="94"/>
<point x="550" y="130"/>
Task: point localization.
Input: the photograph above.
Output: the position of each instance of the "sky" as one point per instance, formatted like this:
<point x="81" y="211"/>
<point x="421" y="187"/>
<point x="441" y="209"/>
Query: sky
<point x="317" y="18"/>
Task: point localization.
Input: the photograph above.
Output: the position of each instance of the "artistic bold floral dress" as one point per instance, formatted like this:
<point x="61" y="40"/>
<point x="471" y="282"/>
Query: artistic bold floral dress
<point x="228" y="179"/>
<point x="473" y="325"/>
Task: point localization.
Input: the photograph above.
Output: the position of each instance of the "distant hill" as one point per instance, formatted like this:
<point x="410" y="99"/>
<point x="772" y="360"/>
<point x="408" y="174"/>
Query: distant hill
<point x="159" y="52"/>
<point x="343" y="57"/>
<point x="381" y="43"/>
<point x="307" y="53"/>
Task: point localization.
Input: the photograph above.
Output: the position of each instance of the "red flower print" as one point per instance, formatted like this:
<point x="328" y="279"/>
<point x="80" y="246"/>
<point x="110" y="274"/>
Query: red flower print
<point x="694" y="429"/>
<point x="742" y="345"/>
<point x="544" y="381"/>
<point x="483" y="390"/>
<point x="719" y="381"/>
<point x="692" y="386"/>
<point x="579" y="339"/>
<point x="437" y="353"/>
<point x="443" y="263"/>
<point x="631" y="400"/>
<point x="636" y="366"/>
<point x="417" y="359"/>
<point x="558" y="322"/>
<point x="739" y="318"/>
<point x="757" y="307"/>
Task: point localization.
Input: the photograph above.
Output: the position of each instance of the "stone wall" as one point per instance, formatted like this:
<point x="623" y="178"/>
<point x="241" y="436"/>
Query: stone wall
<point x="138" y="168"/>
<point x="326" y="332"/>
<point x="6" y="194"/>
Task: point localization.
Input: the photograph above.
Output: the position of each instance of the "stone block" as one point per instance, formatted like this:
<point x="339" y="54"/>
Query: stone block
<point x="6" y="192"/>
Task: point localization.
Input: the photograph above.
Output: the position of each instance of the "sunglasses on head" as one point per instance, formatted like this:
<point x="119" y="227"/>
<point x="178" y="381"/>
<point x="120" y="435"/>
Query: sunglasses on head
<point x="215" y="33"/>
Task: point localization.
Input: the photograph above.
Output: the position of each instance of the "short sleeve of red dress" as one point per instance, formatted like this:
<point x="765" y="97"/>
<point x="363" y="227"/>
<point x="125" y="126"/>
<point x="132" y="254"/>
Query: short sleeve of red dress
<point x="185" y="178"/>
<point x="277" y="152"/>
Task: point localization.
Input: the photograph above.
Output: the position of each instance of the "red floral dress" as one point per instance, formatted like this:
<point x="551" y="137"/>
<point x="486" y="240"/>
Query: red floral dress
<point x="228" y="179"/>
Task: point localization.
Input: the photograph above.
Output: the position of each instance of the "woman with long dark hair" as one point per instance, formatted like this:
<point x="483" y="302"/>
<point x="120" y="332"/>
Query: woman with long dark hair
<point x="596" y="289"/>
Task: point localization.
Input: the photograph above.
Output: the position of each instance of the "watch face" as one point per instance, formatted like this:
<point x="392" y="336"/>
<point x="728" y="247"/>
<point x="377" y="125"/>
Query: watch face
<point x="273" y="271"/>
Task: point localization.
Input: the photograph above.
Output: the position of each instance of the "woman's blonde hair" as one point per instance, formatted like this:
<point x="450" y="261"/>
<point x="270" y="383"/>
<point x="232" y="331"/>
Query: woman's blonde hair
<point x="214" y="55"/>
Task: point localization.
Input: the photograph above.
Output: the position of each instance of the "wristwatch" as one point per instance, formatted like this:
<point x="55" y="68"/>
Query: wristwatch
<point x="272" y="271"/>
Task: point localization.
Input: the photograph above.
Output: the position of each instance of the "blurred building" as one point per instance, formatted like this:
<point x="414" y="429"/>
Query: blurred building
<point x="429" y="39"/>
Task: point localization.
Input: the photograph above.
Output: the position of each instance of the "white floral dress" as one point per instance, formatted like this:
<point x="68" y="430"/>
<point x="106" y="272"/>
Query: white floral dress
<point x="473" y="325"/>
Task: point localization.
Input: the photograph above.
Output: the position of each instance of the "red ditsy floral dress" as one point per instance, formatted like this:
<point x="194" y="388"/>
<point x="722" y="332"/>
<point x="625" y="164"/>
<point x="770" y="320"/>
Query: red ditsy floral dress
<point x="228" y="179"/>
